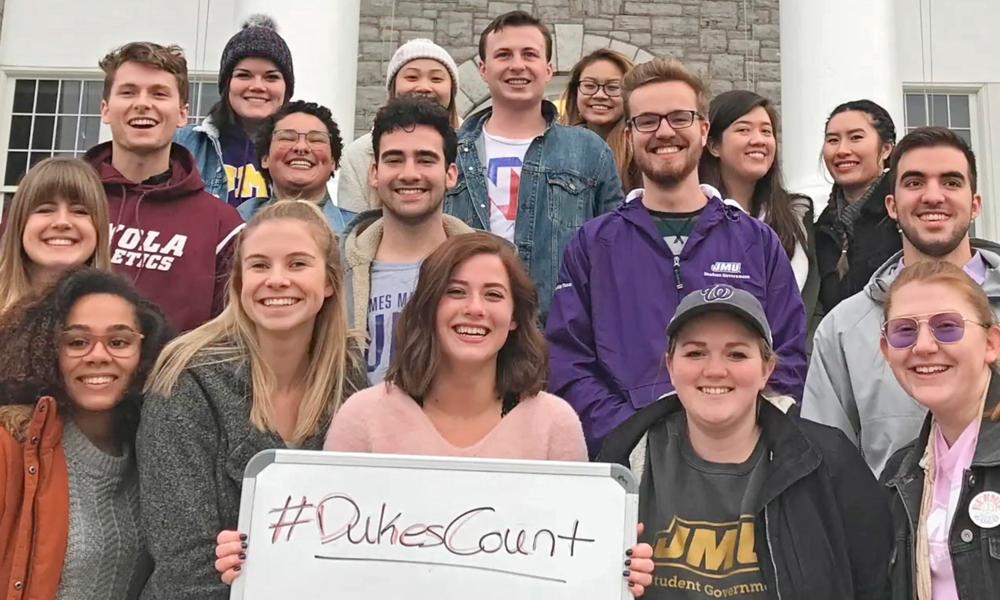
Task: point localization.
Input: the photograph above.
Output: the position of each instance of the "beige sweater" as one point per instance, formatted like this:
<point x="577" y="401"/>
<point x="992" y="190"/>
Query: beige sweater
<point x="353" y="192"/>
<point x="384" y="419"/>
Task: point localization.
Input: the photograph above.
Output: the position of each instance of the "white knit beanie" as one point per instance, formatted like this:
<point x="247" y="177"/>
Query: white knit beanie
<point x="420" y="48"/>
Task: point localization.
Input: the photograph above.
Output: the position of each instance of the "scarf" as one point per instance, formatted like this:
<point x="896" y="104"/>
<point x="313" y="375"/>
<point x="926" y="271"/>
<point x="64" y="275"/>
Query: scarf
<point x="847" y="215"/>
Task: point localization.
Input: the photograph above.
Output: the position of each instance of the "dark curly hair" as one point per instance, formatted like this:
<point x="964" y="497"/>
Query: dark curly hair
<point x="262" y="138"/>
<point x="29" y="349"/>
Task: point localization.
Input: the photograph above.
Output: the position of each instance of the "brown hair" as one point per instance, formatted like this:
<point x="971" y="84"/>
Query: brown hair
<point x="515" y="18"/>
<point x="664" y="69"/>
<point x="59" y="177"/>
<point x="522" y="362"/>
<point x="620" y="148"/>
<point x="165" y="58"/>
<point x="948" y="275"/>
<point x="933" y="137"/>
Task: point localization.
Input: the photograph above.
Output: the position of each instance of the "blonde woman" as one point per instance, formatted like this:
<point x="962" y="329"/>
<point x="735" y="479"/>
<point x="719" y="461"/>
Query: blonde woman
<point x="57" y="220"/>
<point x="269" y="372"/>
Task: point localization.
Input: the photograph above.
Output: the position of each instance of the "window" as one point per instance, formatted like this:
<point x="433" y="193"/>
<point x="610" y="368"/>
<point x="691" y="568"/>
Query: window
<point x="942" y="110"/>
<point x="62" y="117"/>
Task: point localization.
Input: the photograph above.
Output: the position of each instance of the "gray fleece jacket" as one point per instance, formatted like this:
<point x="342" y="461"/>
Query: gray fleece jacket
<point x="360" y="247"/>
<point x="850" y="386"/>
<point x="192" y="448"/>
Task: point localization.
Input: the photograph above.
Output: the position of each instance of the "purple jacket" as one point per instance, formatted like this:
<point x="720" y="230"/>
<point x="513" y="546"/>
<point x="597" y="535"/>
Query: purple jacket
<point x="618" y="287"/>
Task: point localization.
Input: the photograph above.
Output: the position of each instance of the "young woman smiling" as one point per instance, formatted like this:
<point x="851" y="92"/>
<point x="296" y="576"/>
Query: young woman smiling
<point x="593" y="99"/>
<point x="854" y="233"/>
<point x="941" y="340"/>
<point x="269" y="372"/>
<point x="741" y="161"/>
<point x="71" y="375"/>
<point x="804" y="516"/>
<point x="57" y="220"/>
<point x="256" y="78"/>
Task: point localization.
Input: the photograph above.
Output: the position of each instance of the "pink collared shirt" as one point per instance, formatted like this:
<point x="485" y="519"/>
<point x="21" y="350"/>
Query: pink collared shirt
<point x="950" y="466"/>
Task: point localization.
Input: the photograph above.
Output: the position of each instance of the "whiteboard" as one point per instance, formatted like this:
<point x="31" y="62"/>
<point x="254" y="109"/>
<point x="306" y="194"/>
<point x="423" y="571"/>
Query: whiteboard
<point x="344" y="526"/>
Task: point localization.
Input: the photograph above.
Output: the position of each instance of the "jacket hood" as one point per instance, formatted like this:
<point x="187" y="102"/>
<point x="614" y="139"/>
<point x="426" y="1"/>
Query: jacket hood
<point x="365" y="234"/>
<point x="185" y="179"/>
<point x="878" y="286"/>
<point x="20" y="419"/>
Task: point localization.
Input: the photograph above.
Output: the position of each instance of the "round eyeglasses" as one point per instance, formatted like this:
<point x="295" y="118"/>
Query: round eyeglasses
<point x="946" y="327"/>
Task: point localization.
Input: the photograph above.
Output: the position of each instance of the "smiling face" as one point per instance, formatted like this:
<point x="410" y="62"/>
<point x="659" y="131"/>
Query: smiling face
<point x="667" y="156"/>
<point x="411" y="175"/>
<point x="599" y="109"/>
<point x="852" y="151"/>
<point x="143" y="109"/>
<point x="425" y="77"/>
<point x="476" y="313"/>
<point x="747" y="148"/>
<point x="941" y="377"/>
<point x="58" y="235"/>
<point x="718" y="372"/>
<point x="299" y="168"/>
<point x="515" y="68"/>
<point x="933" y="200"/>
<point x="97" y="381"/>
<point x="256" y="89"/>
<point x="284" y="278"/>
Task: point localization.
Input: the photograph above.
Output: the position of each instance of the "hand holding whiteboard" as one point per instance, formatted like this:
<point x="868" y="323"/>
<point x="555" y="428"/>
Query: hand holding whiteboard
<point x="344" y="526"/>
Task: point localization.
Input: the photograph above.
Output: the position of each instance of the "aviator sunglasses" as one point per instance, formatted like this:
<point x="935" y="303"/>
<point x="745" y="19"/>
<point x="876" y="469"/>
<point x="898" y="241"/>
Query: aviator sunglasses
<point x="946" y="327"/>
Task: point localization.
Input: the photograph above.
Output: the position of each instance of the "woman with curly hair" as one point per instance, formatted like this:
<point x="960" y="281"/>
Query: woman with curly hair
<point x="72" y="370"/>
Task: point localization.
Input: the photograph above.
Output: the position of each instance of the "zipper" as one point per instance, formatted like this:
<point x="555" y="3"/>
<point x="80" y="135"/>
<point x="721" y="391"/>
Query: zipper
<point x="770" y="551"/>
<point x="677" y="273"/>
<point x="909" y="527"/>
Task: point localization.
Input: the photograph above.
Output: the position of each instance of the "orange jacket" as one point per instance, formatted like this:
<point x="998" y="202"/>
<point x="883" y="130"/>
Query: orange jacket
<point x="34" y="515"/>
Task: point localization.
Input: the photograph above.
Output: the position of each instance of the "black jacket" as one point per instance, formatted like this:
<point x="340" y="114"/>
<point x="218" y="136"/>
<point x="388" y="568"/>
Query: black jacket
<point x="822" y="527"/>
<point x="875" y="239"/>
<point x="975" y="551"/>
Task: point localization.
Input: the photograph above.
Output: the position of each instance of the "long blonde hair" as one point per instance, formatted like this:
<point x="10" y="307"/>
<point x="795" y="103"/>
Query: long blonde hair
<point x="70" y="179"/>
<point x="232" y="336"/>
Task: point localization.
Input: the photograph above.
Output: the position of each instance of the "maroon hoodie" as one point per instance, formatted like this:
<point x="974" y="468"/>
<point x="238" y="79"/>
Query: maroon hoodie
<point x="174" y="240"/>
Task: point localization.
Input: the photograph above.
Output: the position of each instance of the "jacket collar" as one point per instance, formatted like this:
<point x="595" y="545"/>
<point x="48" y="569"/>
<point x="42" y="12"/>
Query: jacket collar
<point x="26" y="422"/>
<point x="473" y="126"/>
<point x="208" y="128"/>
<point x="635" y="212"/>
<point x="878" y="286"/>
<point x="791" y="455"/>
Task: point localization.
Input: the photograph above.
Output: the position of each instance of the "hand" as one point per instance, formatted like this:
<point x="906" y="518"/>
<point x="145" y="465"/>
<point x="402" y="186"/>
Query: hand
<point x="230" y="552"/>
<point x="639" y="566"/>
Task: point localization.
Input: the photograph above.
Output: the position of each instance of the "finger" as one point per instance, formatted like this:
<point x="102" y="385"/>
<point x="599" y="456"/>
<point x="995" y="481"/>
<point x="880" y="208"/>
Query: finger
<point x="636" y="589"/>
<point x="640" y="579"/>
<point x="228" y="535"/>
<point x="642" y="551"/>
<point x="643" y="566"/>
<point x="225" y="563"/>
<point x="230" y="548"/>
<point x="230" y="576"/>
<point x="640" y="528"/>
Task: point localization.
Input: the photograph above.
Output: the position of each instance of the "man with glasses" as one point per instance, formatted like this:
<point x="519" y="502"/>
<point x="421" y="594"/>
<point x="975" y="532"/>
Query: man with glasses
<point x="624" y="273"/>
<point x="934" y="202"/>
<point x="522" y="175"/>
<point x="169" y="236"/>
<point x="299" y="148"/>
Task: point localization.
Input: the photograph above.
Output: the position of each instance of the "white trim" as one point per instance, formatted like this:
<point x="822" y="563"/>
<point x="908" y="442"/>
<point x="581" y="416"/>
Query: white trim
<point x="231" y="235"/>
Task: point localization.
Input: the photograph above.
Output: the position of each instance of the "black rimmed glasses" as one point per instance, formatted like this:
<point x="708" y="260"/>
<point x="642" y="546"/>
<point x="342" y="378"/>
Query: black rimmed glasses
<point x="946" y="327"/>
<point x="589" y="87"/>
<point x="119" y="344"/>
<point x="290" y="136"/>
<point x="677" y="119"/>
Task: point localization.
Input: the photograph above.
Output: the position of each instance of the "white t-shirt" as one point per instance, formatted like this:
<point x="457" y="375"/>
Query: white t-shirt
<point x="392" y="284"/>
<point x="503" y="181"/>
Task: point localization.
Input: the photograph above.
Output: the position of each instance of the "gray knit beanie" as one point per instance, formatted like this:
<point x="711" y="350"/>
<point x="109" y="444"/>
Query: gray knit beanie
<point x="420" y="48"/>
<point x="258" y="38"/>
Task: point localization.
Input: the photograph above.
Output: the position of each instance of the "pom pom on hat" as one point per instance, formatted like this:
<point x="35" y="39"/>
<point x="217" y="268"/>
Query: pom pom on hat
<point x="257" y="38"/>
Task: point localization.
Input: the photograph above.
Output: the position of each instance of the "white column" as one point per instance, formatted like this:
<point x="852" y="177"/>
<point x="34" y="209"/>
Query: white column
<point x="832" y="52"/>
<point x="323" y="38"/>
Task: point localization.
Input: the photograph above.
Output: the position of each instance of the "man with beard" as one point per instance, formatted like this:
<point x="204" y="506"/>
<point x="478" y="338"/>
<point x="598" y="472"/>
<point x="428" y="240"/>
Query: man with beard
<point x="934" y="201"/>
<point x="414" y="165"/>
<point x="624" y="273"/>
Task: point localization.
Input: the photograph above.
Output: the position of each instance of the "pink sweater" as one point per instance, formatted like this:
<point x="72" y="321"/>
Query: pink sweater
<point x="542" y="427"/>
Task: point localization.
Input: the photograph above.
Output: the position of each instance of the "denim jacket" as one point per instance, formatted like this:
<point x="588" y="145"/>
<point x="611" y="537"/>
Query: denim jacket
<point x="203" y="143"/>
<point x="338" y="218"/>
<point x="568" y="176"/>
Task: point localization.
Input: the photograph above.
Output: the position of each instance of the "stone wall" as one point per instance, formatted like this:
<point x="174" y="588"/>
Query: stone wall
<point x="731" y="43"/>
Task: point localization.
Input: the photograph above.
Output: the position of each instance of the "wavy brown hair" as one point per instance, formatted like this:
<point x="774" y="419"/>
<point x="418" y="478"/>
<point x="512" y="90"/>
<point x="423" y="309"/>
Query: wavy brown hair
<point x="628" y="172"/>
<point x="522" y="362"/>
<point x="29" y="348"/>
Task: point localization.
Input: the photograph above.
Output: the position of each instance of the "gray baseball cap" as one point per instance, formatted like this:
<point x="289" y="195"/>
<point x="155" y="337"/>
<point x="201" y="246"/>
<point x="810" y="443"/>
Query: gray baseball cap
<point x="722" y="298"/>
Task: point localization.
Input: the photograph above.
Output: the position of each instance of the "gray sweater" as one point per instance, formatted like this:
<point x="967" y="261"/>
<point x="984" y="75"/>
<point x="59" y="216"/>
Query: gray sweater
<point x="192" y="448"/>
<point x="105" y="556"/>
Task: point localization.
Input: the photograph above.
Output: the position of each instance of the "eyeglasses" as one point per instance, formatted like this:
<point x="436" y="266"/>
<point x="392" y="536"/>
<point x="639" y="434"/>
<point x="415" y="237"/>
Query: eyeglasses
<point x="612" y="89"/>
<point x="120" y="344"/>
<point x="290" y="136"/>
<point x="946" y="327"/>
<point x="677" y="119"/>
